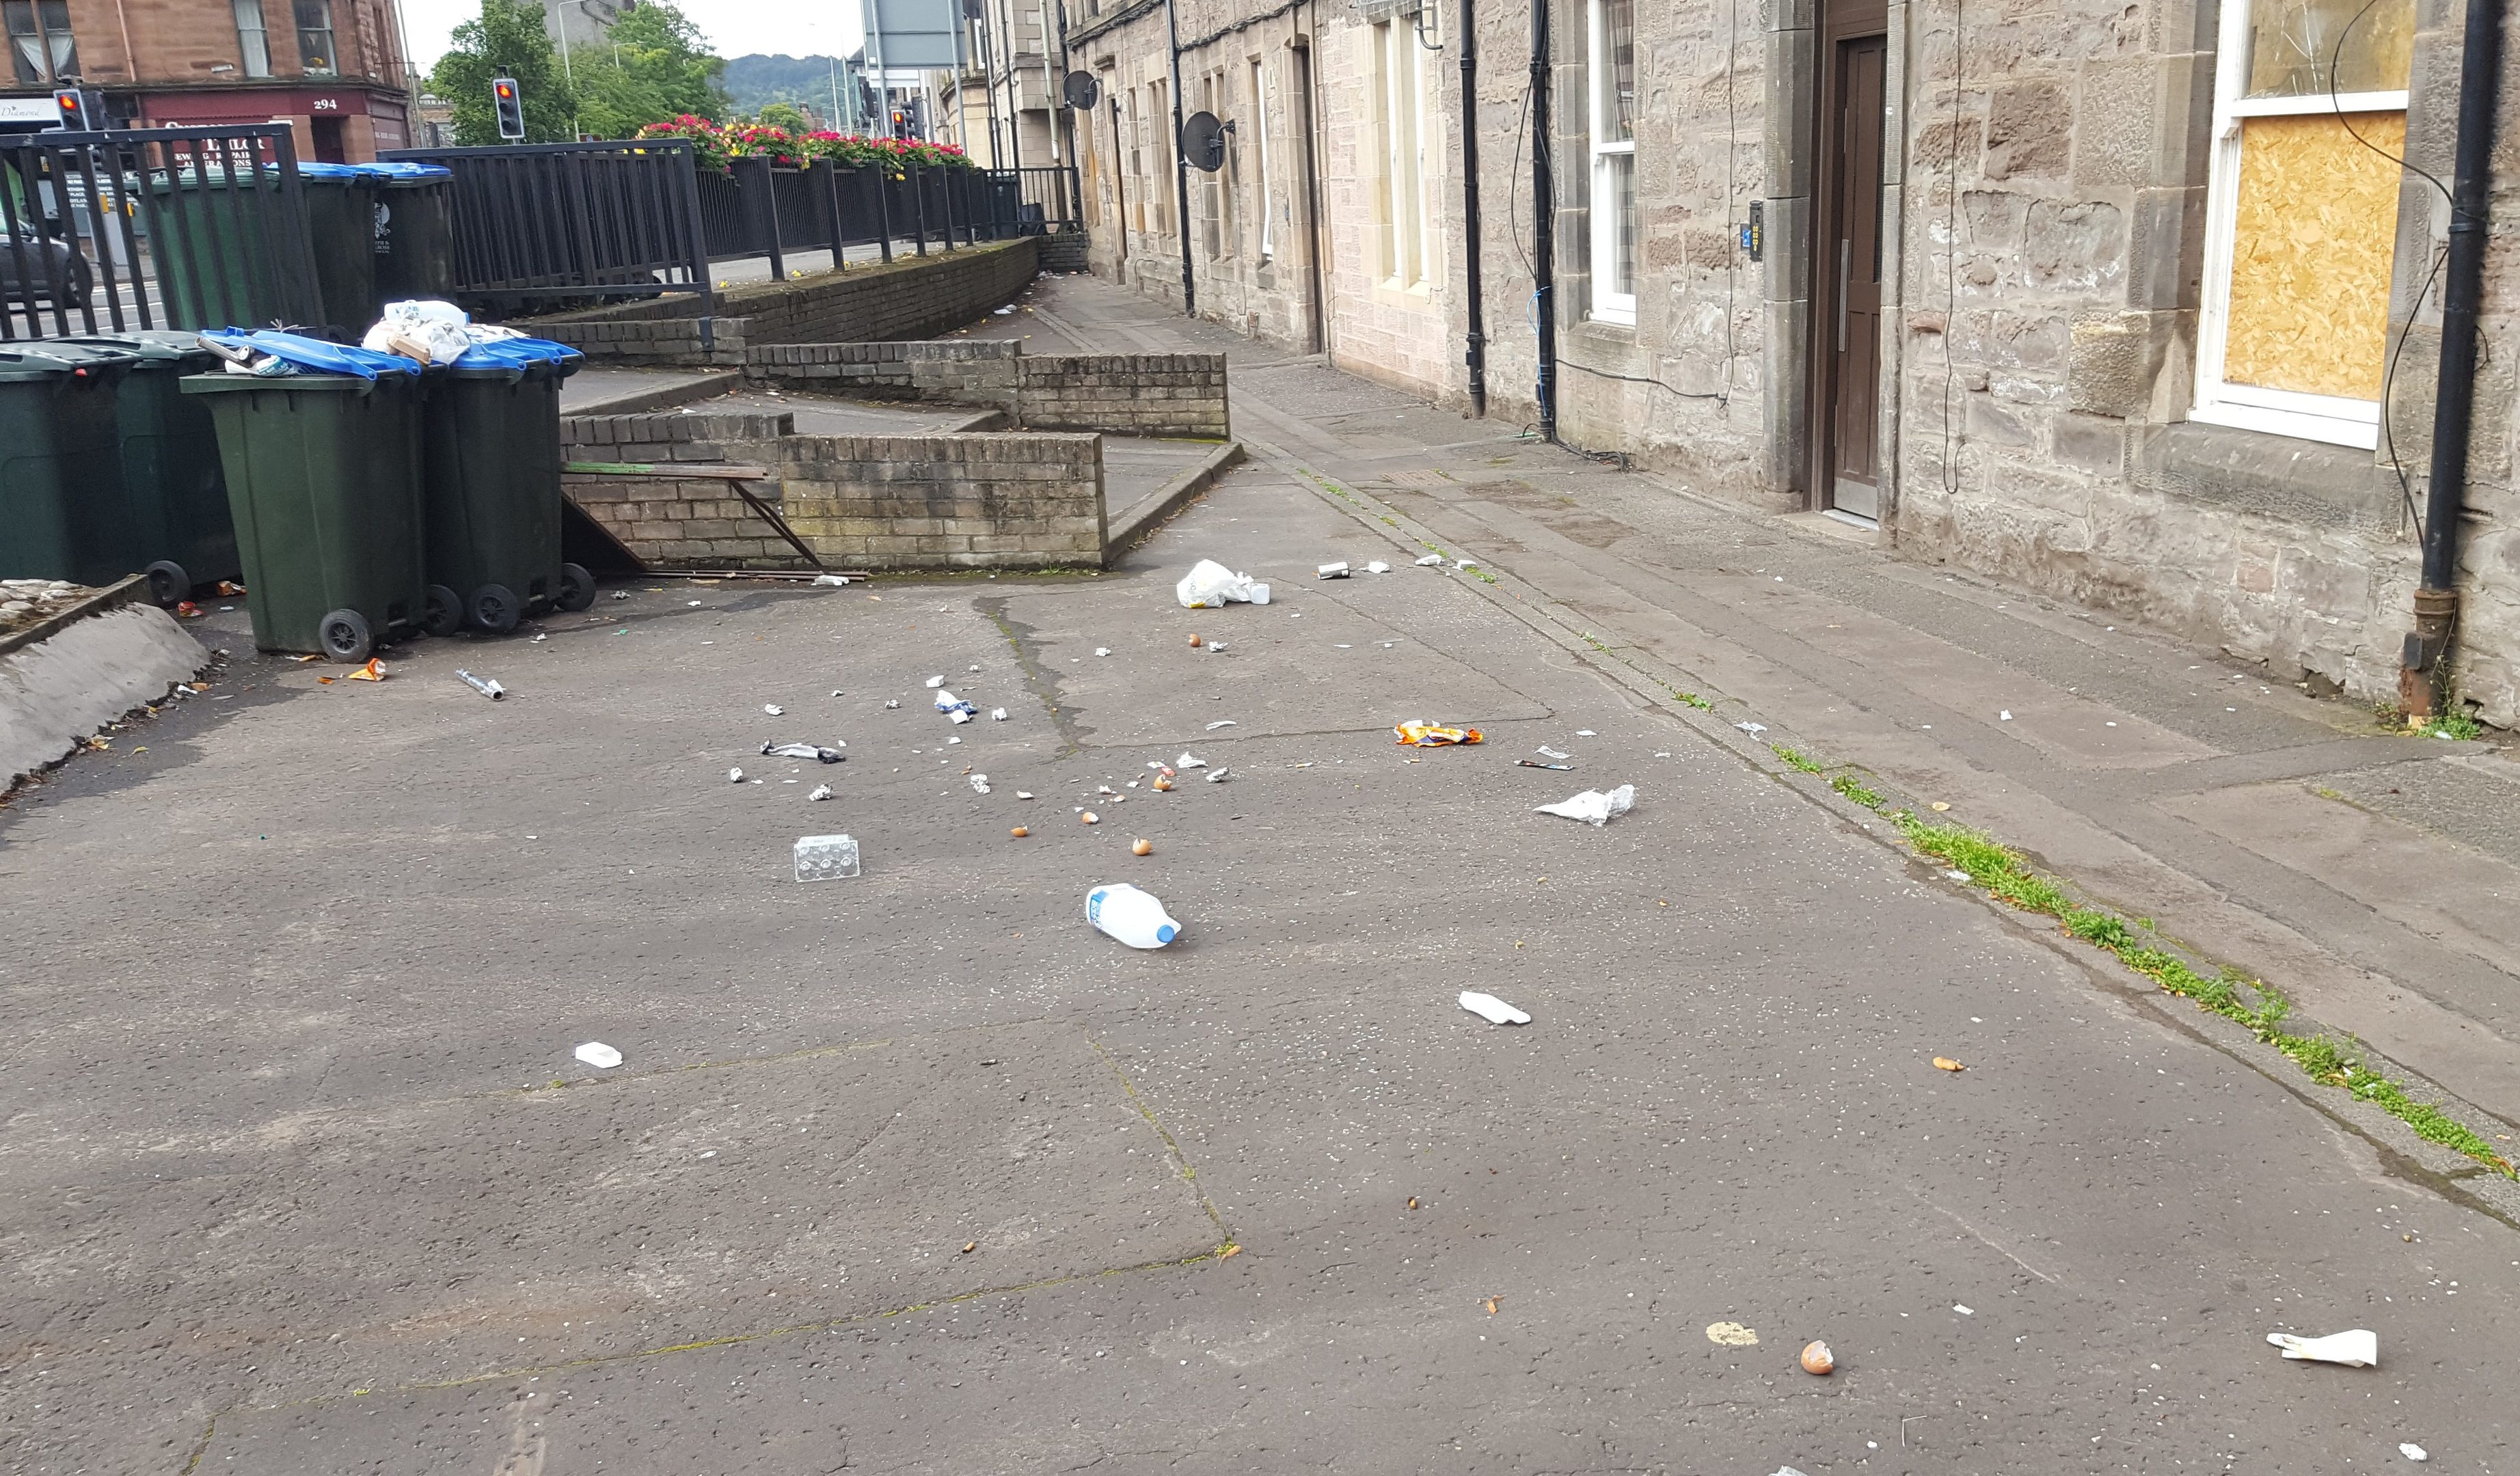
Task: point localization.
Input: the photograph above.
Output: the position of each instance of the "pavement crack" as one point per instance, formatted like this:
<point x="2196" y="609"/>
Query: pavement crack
<point x="1039" y="680"/>
<point x="1181" y="1161"/>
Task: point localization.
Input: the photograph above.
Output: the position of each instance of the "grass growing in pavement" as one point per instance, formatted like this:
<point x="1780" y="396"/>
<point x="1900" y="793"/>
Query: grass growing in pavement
<point x="2253" y="1004"/>
<point x="2453" y="724"/>
<point x="1796" y="758"/>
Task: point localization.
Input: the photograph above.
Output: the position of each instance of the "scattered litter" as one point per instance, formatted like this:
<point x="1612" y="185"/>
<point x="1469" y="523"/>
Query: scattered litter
<point x="1957" y="876"/>
<point x="1332" y="570"/>
<point x="2004" y="716"/>
<point x="1102" y="650"/>
<point x="1495" y="1011"/>
<point x="954" y="706"/>
<point x="540" y="637"/>
<point x="1187" y="762"/>
<point x="997" y="714"/>
<point x="1023" y="795"/>
<point x="1088" y="816"/>
<point x="1592" y="807"/>
<point x="1430" y="560"/>
<point x="1002" y="312"/>
<point x="963" y="717"/>
<point x="374" y="671"/>
<point x="1533" y="763"/>
<point x="1135" y="917"/>
<point x="1946" y="1063"/>
<point x="694" y="603"/>
<point x="620" y="593"/>
<point x="1586" y="733"/>
<point x="1753" y="729"/>
<point x="814" y="751"/>
<point x="976" y="666"/>
<point x="838" y="693"/>
<point x="1142" y="846"/>
<point x="734" y="776"/>
<point x="600" y="1056"/>
<point x="2357" y="1349"/>
<point x="1216" y="646"/>
<point x="1816" y="1358"/>
<point x="1964" y="1311"/>
<point x="1731" y="1335"/>
<point x="821" y="791"/>
<point x="1211" y="585"/>
<point x="1217" y="775"/>
<point x="1465" y="563"/>
<point x="935" y="682"/>
<point x="1377" y="567"/>
<point x="488" y="687"/>
<point x="979" y="783"/>
<point x="1194" y="640"/>
<point x="825" y="857"/>
<point x="1939" y="806"/>
<point x="1222" y="723"/>
<point x="895" y="703"/>
<point x="1418" y="734"/>
<point x="2412" y="1452"/>
<point x="1019" y="833"/>
<point x="836" y="581"/>
<point x="773" y="709"/>
<point x="1545" y="751"/>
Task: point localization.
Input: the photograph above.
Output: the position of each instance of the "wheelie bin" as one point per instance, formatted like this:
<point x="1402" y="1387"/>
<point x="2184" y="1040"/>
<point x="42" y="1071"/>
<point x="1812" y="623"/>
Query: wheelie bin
<point x="182" y="535"/>
<point x="492" y="460"/>
<point x="342" y="228"/>
<point x="63" y="511"/>
<point x="323" y="475"/>
<point x="415" y="230"/>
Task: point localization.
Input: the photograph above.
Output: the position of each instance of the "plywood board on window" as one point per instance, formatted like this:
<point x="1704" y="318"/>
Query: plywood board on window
<point x="2311" y="244"/>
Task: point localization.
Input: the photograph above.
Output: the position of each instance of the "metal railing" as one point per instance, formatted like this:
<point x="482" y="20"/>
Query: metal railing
<point x="171" y="228"/>
<point x="539" y="225"/>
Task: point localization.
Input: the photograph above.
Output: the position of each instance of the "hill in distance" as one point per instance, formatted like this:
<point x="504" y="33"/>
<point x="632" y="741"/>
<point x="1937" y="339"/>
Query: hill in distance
<point x="755" y="81"/>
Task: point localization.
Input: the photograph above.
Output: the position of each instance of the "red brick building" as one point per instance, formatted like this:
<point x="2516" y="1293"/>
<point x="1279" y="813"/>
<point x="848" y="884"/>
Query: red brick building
<point x="334" y="69"/>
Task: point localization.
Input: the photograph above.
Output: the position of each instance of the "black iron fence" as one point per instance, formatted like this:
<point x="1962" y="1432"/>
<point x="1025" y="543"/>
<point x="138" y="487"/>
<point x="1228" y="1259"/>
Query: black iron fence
<point x="545" y="223"/>
<point x="181" y="227"/>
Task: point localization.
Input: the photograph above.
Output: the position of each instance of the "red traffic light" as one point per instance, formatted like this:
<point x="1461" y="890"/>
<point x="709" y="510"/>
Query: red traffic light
<point x="68" y="100"/>
<point x="507" y="91"/>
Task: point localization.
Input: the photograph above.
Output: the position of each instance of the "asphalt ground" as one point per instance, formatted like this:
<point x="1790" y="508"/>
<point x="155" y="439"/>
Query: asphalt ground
<point x="300" y="1175"/>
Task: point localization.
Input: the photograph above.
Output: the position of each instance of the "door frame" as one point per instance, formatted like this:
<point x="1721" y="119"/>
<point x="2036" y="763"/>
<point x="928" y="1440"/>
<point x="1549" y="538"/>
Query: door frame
<point x="1841" y="21"/>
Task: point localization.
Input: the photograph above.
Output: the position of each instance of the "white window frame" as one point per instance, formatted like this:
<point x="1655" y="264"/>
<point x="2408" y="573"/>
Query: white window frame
<point x="1607" y="306"/>
<point x="1260" y="146"/>
<point x="2332" y="419"/>
<point x="253" y="38"/>
<point x="1401" y="86"/>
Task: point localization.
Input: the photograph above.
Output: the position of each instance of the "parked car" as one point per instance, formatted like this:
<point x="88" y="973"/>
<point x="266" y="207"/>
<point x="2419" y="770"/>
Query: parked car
<point x="46" y="262"/>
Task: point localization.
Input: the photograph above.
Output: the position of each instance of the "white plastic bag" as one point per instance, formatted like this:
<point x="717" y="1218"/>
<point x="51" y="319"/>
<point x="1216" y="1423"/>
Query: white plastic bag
<point x="1210" y="586"/>
<point x="1592" y="807"/>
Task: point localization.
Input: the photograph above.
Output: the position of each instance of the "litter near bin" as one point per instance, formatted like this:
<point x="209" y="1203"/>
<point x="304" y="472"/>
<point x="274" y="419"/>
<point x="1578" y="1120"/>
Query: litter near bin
<point x="1419" y="734"/>
<point x="1120" y="910"/>
<point x="1731" y="1335"/>
<point x="734" y="776"/>
<point x="1946" y="1063"/>
<point x="815" y="751"/>
<point x="935" y="682"/>
<point x="1331" y="571"/>
<point x="1430" y="560"/>
<point x="2356" y="1349"/>
<point x="952" y="707"/>
<point x="1222" y="723"/>
<point x="1377" y="567"/>
<point x="821" y="791"/>
<point x="1217" y="775"/>
<point x="1102" y="650"/>
<point x="1186" y="761"/>
<point x="488" y="687"/>
<point x="773" y="709"/>
<point x="1533" y="763"/>
<point x="1211" y="585"/>
<point x="374" y="671"/>
<point x="1817" y="1359"/>
<point x="997" y="714"/>
<point x="2412" y="1452"/>
<point x="1142" y="846"/>
<point x="1593" y="807"/>
<point x="826" y="858"/>
<point x="836" y="581"/>
<point x="1495" y="1011"/>
<point x="598" y="1055"/>
<point x="1545" y="751"/>
<point x="979" y="783"/>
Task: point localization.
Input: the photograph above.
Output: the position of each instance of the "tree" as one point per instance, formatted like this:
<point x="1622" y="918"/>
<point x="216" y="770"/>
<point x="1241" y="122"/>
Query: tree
<point x="506" y="41"/>
<point x="782" y="115"/>
<point x="653" y="66"/>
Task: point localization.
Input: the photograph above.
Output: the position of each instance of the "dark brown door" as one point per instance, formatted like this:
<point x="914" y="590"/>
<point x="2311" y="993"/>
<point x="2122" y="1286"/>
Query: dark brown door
<point x="1848" y="327"/>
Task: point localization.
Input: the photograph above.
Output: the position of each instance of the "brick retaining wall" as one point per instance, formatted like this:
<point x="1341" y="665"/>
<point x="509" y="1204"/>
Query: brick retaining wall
<point x="1128" y="394"/>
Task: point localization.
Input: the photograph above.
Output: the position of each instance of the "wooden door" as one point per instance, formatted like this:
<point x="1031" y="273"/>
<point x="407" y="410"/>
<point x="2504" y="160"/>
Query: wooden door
<point x="1848" y="329"/>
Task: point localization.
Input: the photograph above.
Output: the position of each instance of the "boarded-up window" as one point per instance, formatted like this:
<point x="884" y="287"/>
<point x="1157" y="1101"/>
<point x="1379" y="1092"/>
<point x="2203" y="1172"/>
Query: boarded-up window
<point x="2309" y="120"/>
<point x="2313" y="238"/>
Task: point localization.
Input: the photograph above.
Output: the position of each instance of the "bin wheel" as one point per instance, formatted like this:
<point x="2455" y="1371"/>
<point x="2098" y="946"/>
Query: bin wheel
<point x="168" y="584"/>
<point x="445" y="613"/>
<point x="495" y="608"/>
<point x="576" y="588"/>
<point x="347" y="636"/>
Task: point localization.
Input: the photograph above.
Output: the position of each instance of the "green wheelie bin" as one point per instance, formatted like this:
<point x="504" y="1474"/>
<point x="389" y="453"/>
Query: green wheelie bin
<point x="63" y="513"/>
<point x="492" y="460"/>
<point x="415" y="230"/>
<point x="182" y="534"/>
<point x="323" y="475"/>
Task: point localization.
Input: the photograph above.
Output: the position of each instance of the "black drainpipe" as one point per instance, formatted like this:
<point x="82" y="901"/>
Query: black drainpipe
<point x="1181" y="167"/>
<point x="1544" y="233"/>
<point x="1474" y="352"/>
<point x="2423" y="683"/>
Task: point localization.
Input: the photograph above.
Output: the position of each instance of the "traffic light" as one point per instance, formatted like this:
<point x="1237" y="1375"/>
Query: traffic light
<point x="79" y="111"/>
<point x="511" y="108"/>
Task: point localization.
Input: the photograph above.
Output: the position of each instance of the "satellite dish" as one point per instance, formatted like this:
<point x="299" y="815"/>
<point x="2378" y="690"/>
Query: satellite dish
<point x="1082" y="91"/>
<point x="1202" y="141"/>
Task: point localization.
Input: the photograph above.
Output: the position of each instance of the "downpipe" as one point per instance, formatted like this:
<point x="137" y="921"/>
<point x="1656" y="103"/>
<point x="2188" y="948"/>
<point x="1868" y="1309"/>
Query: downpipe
<point x="1543" y="235"/>
<point x="1474" y="348"/>
<point x="2423" y="676"/>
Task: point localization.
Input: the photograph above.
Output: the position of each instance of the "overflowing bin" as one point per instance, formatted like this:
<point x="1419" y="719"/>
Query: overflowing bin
<point x="181" y="534"/>
<point x="323" y="470"/>
<point x="63" y="512"/>
<point x="492" y="473"/>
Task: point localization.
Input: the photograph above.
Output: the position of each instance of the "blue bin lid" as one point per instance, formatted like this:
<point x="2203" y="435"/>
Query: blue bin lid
<point x="314" y="354"/>
<point x="389" y="172"/>
<point x="519" y="353"/>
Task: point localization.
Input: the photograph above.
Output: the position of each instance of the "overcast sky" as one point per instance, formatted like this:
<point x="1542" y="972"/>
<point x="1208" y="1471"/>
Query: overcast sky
<point x="734" y="27"/>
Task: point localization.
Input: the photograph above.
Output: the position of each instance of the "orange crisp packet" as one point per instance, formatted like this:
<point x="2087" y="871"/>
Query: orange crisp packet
<point x="374" y="671"/>
<point x="1434" y="735"/>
